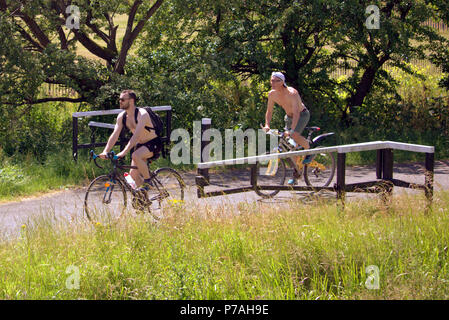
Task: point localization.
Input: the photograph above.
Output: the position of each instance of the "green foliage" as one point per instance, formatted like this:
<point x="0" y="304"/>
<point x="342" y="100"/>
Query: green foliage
<point x="214" y="58"/>
<point x="417" y="113"/>
<point x="11" y="174"/>
<point x="36" y="131"/>
<point x="39" y="47"/>
<point x="302" y="251"/>
<point x="24" y="176"/>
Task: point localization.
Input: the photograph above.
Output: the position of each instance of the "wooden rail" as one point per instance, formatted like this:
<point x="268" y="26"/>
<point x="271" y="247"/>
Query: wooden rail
<point x="384" y="182"/>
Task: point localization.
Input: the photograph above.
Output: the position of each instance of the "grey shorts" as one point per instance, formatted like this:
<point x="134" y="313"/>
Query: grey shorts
<point x="304" y="118"/>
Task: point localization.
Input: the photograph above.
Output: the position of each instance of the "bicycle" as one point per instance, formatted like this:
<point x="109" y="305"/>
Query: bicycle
<point x="106" y="199"/>
<point x="318" y="173"/>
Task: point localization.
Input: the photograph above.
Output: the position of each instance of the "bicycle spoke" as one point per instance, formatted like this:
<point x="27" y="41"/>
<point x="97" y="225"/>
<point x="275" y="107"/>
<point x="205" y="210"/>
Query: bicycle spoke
<point x="167" y="190"/>
<point x="272" y="172"/>
<point x="105" y="201"/>
<point x="320" y="172"/>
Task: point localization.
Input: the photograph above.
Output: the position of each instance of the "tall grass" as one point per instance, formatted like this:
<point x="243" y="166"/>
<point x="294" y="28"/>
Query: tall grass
<point x="250" y="251"/>
<point x="29" y="177"/>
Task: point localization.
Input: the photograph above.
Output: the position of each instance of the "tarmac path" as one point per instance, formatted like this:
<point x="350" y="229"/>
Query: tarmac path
<point x="69" y="204"/>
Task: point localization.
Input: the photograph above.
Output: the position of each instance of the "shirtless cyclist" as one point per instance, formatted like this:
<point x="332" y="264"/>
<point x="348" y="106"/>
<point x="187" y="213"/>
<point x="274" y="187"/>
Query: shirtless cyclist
<point x="297" y="116"/>
<point x="144" y="139"/>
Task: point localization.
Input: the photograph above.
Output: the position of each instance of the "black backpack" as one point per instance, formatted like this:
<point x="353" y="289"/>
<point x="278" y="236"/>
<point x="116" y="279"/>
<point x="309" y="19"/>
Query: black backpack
<point x="157" y="121"/>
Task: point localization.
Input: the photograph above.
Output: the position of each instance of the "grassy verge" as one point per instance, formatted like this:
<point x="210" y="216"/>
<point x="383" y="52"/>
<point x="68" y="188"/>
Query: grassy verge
<point x="301" y="251"/>
<point x="27" y="177"/>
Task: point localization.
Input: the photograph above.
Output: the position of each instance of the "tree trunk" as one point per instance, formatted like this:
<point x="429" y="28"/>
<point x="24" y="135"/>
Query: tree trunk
<point x="363" y="88"/>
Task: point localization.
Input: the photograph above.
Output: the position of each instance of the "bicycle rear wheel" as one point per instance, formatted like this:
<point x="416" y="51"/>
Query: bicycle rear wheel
<point x="105" y="200"/>
<point x="166" y="191"/>
<point x="272" y="172"/>
<point x="321" y="171"/>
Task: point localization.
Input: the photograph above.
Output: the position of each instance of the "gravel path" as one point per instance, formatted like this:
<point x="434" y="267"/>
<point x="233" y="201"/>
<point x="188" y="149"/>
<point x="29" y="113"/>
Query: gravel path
<point x="68" y="204"/>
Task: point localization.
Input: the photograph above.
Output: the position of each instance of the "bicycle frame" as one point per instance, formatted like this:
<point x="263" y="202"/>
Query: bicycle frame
<point x="117" y="172"/>
<point x="285" y="146"/>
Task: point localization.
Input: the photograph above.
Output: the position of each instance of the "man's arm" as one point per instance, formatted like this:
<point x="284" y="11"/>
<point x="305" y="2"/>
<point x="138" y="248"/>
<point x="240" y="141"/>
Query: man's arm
<point x="114" y="136"/>
<point x="269" y="113"/>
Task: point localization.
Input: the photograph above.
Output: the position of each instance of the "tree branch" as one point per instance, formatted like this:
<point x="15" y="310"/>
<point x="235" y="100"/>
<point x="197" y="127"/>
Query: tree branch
<point x="112" y="33"/>
<point x="30" y="39"/>
<point x="130" y="34"/>
<point x="94" y="28"/>
<point x="3" y="5"/>
<point x="35" y="29"/>
<point x="43" y="100"/>
<point x="62" y="39"/>
<point x="80" y="36"/>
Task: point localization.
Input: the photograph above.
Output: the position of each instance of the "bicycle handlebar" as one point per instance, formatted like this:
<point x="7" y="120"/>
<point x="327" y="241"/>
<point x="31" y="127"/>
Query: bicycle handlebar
<point x="111" y="156"/>
<point x="274" y="132"/>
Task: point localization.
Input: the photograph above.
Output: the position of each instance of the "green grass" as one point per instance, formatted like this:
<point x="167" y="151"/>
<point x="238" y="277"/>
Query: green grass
<point x="303" y="251"/>
<point x="32" y="178"/>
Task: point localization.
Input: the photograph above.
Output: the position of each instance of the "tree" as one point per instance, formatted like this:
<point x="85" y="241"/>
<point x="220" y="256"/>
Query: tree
<point x="239" y="43"/>
<point x="43" y="37"/>
<point x="307" y="40"/>
<point x="400" y="37"/>
<point x="440" y="54"/>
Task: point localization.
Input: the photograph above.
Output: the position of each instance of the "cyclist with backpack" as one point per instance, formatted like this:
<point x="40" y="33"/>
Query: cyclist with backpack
<point x="146" y="128"/>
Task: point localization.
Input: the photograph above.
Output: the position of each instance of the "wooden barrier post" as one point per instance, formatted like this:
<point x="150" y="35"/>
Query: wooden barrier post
<point x="429" y="176"/>
<point x="168" y="118"/>
<point x="205" y="125"/>
<point x="75" y="138"/>
<point x="387" y="175"/>
<point x="341" y="173"/>
<point x="379" y="162"/>
<point x="254" y="175"/>
<point x="202" y="179"/>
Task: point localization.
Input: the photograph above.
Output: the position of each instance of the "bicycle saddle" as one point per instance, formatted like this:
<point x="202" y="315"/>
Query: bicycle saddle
<point x="312" y="128"/>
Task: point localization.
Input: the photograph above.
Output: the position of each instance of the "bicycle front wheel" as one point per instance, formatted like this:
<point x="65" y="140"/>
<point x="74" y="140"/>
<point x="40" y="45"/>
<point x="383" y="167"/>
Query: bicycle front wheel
<point x="272" y="173"/>
<point x="321" y="171"/>
<point x="105" y="200"/>
<point x="166" y="191"/>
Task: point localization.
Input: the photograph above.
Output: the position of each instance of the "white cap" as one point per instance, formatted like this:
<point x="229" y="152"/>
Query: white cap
<point x="279" y="75"/>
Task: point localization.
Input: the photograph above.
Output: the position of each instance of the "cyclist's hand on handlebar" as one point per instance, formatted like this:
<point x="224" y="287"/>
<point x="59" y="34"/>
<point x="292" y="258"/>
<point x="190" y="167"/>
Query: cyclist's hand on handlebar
<point x="121" y="154"/>
<point x="266" y="128"/>
<point x="103" y="155"/>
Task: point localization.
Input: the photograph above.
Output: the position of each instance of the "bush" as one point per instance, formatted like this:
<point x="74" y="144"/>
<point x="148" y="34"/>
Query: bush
<point x="35" y="130"/>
